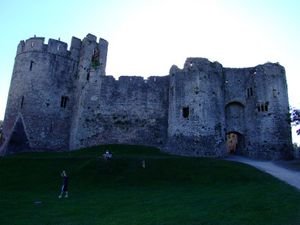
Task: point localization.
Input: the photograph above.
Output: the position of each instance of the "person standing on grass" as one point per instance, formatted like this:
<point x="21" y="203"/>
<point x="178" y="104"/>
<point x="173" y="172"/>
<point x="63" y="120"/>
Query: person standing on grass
<point x="64" y="187"/>
<point x="107" y="155"/>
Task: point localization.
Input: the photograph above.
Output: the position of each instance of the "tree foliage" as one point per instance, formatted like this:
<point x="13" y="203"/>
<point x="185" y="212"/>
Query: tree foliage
<point x="295" y="119"/>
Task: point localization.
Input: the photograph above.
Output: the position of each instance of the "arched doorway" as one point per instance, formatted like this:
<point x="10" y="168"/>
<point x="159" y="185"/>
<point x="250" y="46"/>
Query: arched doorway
<point x="18" y="140"/>
<point x="235" y="127"/>
<point x="235" y="142"/>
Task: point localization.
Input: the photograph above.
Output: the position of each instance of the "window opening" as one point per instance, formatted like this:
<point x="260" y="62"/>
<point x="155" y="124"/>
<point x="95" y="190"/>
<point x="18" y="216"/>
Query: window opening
<point x="22" y="102"/>
<point x="274" y="92"/>
<point x="31" y="65"/>
<point x="88" y="76"/>
<point x="267" y="106"/>
<point x="185" y="112"/>
<point x="263" y="107"/>
<point x="63" y="102"/>
<point x="249" y="92"/>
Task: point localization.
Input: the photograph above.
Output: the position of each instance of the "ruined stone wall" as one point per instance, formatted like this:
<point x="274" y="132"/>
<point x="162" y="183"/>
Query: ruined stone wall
<point x="130" y="110"/>
<point x="196" y="112"/>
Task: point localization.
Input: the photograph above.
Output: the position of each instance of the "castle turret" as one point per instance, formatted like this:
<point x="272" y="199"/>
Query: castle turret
<point x="256" y="111"/>
<point x="40" y="99"/>
<point x="92" y="64"/>
<point x="269" y="131"/>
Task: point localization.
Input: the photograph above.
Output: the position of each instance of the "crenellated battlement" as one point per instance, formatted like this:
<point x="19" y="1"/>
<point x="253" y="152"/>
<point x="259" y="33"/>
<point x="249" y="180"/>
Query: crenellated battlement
<point x="36" y="44"/>
<point x="58" y="47"/>
<point x="140" y="79"/>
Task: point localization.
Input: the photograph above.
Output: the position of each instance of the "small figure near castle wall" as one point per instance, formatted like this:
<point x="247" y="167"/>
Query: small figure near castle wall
<point x="107" y="155"/>
<point x="232" y="141"/>
<point x="143" y="164"/>
<point x="65" y="184"/>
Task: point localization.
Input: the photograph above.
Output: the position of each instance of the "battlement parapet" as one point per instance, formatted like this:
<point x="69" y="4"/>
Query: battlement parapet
<point x="271" y="68"/>
<point x="174" y="69"/>
<point x="32" y="44"/>
<point x="194" y="64"/>
<point x="202" y="64"/>
<point x="131" y="80"/>
<point x="60" y="48"/>
<point x="266" y="68"/>
<point x="140" y="80"/>
<point x="75" y="48"/>
<point x="57" y="47"/>
<point x="91" y="37"/>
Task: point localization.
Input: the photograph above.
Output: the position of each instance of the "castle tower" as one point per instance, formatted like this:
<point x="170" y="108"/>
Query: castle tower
<point x="256" y="111"/>
<point x="269" y="131"/>
<point x="39" y="105"/>
<point x="236" y="110"/>
<point x="91" y="69"/>
<point x="196" y="113"/>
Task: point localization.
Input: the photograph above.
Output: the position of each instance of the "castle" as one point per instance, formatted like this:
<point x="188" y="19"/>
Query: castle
<point x="61" y="99"/>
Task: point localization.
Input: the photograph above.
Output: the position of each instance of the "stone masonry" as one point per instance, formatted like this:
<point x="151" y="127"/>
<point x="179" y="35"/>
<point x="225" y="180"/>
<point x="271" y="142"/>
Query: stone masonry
<point x="61" y="99"/>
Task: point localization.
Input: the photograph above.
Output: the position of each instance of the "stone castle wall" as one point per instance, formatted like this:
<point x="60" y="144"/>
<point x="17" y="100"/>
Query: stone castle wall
<point x="61" y="99"/>
<point x="129" y="110"/>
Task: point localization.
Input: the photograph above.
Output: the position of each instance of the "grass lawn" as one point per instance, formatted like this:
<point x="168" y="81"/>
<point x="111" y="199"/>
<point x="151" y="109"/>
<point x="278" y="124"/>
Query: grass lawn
<point x="171" y="190"/>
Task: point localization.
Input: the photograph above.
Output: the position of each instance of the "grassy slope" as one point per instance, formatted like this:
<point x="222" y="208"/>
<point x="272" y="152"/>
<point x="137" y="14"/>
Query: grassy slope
<point x="171" y="190"/>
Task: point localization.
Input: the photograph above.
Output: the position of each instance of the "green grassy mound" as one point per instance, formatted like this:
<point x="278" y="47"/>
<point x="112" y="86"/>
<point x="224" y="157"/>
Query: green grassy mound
<point x="171" y="190"/>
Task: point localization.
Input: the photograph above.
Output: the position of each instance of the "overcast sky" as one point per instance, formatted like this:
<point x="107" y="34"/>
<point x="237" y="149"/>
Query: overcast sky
<point x="146" y="37"/>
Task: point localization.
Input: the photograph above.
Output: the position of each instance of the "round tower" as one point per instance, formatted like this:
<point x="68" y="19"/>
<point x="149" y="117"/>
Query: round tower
<point x="269" y="130"/>
<point x="40" y="99"/>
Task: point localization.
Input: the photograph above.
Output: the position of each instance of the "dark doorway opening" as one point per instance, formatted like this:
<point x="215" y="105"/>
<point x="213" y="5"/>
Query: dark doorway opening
<point x="185" y="112"/>
<point x="18" y="140"/>
<point x="235" y="143"/>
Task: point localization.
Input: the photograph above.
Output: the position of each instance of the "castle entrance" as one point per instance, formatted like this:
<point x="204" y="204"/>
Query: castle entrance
<point x="235" y="142"/>
<point x="18" y="140"/>
<point x="235" y="126"/>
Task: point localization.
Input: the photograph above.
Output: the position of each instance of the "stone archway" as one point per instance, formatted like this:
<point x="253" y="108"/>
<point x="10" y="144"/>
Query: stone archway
<point x="235" y="142"/>
<point x="18" y="140"/>
<point x="235" y="127"/>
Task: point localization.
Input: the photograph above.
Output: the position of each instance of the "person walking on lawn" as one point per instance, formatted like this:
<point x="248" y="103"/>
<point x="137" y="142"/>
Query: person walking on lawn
<point x="64" y="187"/>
